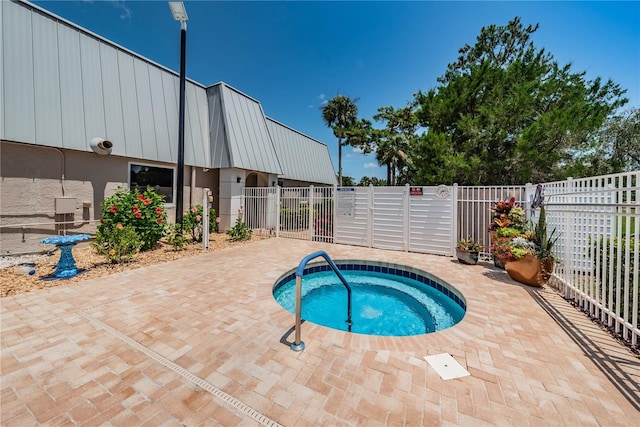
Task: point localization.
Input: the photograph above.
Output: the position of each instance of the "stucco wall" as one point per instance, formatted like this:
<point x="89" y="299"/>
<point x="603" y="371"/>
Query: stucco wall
<point x="31" y="178"/>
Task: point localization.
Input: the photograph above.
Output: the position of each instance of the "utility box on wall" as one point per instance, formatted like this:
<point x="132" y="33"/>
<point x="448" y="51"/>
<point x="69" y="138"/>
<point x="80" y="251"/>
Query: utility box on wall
<point x="65" y="205"/>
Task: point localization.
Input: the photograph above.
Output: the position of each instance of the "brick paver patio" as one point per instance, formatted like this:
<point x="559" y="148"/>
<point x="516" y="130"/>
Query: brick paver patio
<point x="198" y="342"/>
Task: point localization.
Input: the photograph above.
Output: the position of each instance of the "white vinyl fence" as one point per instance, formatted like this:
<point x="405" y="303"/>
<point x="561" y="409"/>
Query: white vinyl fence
<point x="416" y="219"/>
<point x="598" y="224"/>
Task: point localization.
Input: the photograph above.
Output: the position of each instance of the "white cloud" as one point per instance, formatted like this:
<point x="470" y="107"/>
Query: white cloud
<point x="324" y="102"/>
<point x="321" y="96"/>
<point x="370" y="165"/>
<point x="310" y="106"/>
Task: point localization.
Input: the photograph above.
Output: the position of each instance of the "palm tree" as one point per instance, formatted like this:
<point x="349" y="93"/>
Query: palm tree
<point x="340" y="113"/>
<point x="392" y="151"/>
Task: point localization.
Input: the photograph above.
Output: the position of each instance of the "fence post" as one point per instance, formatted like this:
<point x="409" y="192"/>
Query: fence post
<point x="406" y="219"/>
<point x="310" y="205"/>
<point x="568" y="258"/>
<point x="454" y="219"/>
<point x="205" y="218"/>
<point x="278" y="207"/>
<point x="370" y="198"/>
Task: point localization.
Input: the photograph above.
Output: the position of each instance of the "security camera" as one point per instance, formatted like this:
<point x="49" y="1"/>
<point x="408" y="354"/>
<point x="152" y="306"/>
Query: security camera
<point x="101" y="146"/>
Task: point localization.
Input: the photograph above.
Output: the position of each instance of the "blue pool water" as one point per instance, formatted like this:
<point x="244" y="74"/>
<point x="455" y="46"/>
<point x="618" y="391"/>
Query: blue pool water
<point x="382" y="303"/>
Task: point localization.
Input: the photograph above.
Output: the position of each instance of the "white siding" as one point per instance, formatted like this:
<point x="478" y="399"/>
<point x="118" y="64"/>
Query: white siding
<point x="112" y="99"/>
<point x="171" y="92"/>
<point x="160" y="119"/>
<point x="18" y="101"/>
<point x="130" y="120"/>
<point x="46" y="81"/>
<point x="71" y="103"/>
<point x="220" y="156"/>
<point x="250" y="145"/>
<point x="145" y="110"/>
<point x="63" y="86"/>
<point x="92" y="102"/>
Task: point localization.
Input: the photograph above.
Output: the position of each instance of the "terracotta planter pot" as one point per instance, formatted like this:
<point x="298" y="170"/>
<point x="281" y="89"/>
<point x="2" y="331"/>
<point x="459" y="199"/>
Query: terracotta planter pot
<point x="528" y="270"/>
<point x="547" y="268"/>
<point x="467" y="257"/>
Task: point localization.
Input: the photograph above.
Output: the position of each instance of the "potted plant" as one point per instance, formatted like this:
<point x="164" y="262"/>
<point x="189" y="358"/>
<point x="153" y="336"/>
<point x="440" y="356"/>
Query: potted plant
<point x="527" y="257"/>
<point x="468" y="251"/>
<point x="544" y="245"/>
<point x="505" y="214"/>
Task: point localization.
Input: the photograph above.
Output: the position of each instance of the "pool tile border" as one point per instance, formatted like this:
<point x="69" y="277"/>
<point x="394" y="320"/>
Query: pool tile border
<point x="399" y="270"/>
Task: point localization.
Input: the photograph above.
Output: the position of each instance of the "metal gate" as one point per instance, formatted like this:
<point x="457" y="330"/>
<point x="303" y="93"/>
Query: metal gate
<point x="293" y="212"/>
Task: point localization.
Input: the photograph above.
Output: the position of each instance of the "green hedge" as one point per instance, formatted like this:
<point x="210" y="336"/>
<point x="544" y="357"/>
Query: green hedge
<point x="607" y="259"/>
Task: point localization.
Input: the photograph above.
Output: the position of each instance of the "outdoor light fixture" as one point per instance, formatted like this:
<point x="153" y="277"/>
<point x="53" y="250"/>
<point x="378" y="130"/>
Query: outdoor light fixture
<point x="178" y="11"/>
<point x="180" y="14"/>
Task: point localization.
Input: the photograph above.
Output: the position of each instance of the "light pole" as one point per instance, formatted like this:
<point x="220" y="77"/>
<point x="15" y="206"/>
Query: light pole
<point x="180" y="14"/>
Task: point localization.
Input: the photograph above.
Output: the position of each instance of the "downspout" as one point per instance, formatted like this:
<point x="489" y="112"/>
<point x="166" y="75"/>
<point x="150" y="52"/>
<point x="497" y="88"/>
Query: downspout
<point x="193" y="187"/>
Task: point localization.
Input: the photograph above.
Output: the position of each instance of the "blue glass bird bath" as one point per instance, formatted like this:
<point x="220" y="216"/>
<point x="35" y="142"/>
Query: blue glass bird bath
<point x="66" y="266"/>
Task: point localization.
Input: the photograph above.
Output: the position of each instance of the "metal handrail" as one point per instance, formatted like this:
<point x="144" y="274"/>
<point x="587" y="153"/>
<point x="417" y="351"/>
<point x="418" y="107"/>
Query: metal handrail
<point x="298" y="345"/>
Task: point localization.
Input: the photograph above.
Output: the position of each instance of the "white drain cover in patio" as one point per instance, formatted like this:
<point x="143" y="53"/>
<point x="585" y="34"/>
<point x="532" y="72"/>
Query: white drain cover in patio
<point x="446" y="366"/>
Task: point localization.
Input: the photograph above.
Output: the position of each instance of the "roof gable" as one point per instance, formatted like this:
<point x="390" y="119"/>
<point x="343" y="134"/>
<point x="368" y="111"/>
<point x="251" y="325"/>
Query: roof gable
<point x="302" y="158"/>
<point x="239" y="134"/>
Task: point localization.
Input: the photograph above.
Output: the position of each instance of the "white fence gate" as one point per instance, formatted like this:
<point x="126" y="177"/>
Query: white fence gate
<point x="416" y="219"/>
<point x="294" y="212"/>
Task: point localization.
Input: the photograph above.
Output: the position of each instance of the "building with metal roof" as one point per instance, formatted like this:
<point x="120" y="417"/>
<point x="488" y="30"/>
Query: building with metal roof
<point x="64" y="89"/>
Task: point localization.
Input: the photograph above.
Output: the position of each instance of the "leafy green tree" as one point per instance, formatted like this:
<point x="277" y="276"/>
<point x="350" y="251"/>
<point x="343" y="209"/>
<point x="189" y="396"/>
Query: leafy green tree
<point x="366" y="181"/>
<point x="507" y="113"/>
<point x="394" y="142"/>
<point x="348" y="181"/>
<point x="614" y="148"/>
<point x="340" y="113"/>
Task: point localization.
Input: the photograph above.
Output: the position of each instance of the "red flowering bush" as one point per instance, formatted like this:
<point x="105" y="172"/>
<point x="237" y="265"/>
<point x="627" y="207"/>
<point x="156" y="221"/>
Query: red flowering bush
<point x="143" y="212"/>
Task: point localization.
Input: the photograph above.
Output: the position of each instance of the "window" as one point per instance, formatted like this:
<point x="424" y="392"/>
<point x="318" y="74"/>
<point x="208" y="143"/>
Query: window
<point x="159" y="178"/>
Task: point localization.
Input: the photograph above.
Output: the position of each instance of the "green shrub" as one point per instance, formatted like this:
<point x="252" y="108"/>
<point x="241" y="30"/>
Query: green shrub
<point x="175" y="236"/>
<point x="294" y="220"/>
<point x="192" y="222"/>
<point x="607" y="259"/>
<point x="240" y="231"/>
<point x="144" y="212"/>
<point x="118" y="244"/>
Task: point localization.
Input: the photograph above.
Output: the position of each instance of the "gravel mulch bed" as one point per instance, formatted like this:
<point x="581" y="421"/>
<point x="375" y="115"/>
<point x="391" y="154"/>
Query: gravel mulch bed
<point x="13" y="281"/>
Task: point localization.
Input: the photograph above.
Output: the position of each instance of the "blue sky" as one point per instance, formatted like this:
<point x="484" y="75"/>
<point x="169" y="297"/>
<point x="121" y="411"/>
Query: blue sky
<point x="293" y="56"/>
